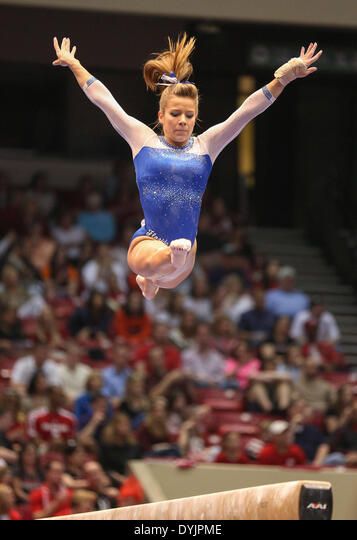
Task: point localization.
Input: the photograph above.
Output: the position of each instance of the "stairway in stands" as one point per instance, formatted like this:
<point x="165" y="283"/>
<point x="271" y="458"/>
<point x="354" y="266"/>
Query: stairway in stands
<point x="314" y="276"/>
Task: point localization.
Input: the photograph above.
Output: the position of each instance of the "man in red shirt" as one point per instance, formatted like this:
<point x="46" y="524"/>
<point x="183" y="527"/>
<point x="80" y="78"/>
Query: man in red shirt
<point x="160" y="338"/>
<point x="52" y="423"/>
<point x="281" y="450"/>
<point x="52" y="498"/>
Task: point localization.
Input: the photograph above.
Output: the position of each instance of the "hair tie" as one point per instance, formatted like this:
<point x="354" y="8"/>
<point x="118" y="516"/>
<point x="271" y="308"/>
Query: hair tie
<point x="171" y="78"/>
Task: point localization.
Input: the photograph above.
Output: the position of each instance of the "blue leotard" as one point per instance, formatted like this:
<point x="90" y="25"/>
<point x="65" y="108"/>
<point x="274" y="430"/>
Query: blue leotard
<point x="171" y="184"/>
<point x="172" y="180"/>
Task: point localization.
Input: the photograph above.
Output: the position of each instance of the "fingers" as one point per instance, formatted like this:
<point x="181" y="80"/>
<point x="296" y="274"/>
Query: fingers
<point x="68" y="44"/>
<point x="309" y="71"/>
<point x="316" y="57"/>
<point x="302" y="51"/>
<point x="63" y="43"/>
<point x="56" y="46"/>
<point x="73" y="52"/>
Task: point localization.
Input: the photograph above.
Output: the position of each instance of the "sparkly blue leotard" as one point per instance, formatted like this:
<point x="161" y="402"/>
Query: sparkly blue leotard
<point x="172" y="180"/>
<point x="171" y="184"/>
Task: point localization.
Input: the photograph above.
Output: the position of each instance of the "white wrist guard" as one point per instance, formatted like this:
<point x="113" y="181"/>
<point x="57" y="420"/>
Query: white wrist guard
<point x="290" y="71"/>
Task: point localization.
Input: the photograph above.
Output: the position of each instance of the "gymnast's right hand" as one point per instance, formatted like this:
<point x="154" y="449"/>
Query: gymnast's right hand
<point x="65" y="56"/>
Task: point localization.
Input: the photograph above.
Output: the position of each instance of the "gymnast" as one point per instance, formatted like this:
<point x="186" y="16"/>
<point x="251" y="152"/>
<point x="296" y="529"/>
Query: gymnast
<point x="172" y="169"/>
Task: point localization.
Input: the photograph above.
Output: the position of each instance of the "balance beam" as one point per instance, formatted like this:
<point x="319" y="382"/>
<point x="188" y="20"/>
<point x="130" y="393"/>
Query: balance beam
<point x="289" y="500"/>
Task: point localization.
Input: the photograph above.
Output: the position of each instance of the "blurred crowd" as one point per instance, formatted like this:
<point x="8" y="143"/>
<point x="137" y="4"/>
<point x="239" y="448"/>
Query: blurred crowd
<point x="237" y="365"/>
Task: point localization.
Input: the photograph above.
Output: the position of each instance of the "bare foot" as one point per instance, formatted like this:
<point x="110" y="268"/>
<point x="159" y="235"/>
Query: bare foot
<point x="148" y="288"/>
<point x="179" y="250"/>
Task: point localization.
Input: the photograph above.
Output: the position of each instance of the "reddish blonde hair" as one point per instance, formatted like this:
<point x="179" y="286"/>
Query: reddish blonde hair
<point x="175" y="59"/>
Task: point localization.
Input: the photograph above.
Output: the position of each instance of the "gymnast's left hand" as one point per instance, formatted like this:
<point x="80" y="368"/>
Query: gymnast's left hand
<point x="309" y="57"/>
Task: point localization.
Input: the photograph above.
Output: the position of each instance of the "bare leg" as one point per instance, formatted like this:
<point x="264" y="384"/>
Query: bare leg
<point x="151" y="260"/>
<point x="148" y="287"/>
<point x="148" y="257"/>
<point x="283" y="395"/>
<point x="259" y="393"/>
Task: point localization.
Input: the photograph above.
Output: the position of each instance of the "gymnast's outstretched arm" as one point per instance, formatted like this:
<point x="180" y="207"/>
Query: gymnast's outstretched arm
<point x="217" y="137"/>
<point x="132" y="130"/>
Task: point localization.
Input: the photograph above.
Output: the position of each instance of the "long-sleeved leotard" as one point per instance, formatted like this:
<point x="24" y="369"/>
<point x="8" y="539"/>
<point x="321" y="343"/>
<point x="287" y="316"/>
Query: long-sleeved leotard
<point x="171" y="180"/>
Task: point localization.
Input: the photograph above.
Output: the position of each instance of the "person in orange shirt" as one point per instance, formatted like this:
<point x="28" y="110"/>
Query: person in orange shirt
<point x="131" y="322"/>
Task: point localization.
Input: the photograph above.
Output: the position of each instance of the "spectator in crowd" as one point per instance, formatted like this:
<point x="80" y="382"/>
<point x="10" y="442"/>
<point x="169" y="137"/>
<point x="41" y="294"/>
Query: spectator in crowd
<point x="135" y="402"/>
<point x="40" y="192"/>
<point x="7" y="504"/>
<point x="345" y="399"/>
<point x="175" y="308"/>
<point x="131" y="322"/>
<point x="7" y="454"/>
<point x="28" y="303"/>
<point x="225" y="335"/>
<point x="327" y="329"/>
<point x="83" y="404"/>
<point x="26" y="366"/>
<point x="270" y="390"/>
<point x="281" y="450"/>
<point x="325" y="355"/>
<point x="257" y="324"/>
<point x="286" y="300"/>
<point x="202" y="362"/>
<point x="280" y="335"/>
<point x="199" y="301"/>
<point x="83" y="500"/>
<point x="341" y="447"/>
<point x="115" y="377"/>
<point x="54" y="423"/>
<point x="292" y="363"/>
<point x="98" y="223"/>
<point x="75" y="455"/>
<point x="307" y="431"/>
<point x="101" y="413"/>
<point x="183" y="335"/>
<point x="238" y="254"/>
<point x="61" y="276"/>
<point x="232" y="299"/>
<point x="41" y="248"/>
<point x="270" y="274"/>
<point x="69" y="235"/>
<point x="160" y="338"/>
<point x="118" y="445"/>
<point x="104" y="273"/>
<point x="28" y="474"/>
<point x="220" y="218"/>
<point x="52" y="498"/>
<point x="192" y="435"/>
<point x="93" y="320"/>
<point x="37" y="392"/>
<point x="153" y="435"/>
<point x="100" y="483"/>
<point x="231" y="450"/>
<point x="317" y="392"/>
<point x="11" y="332"/>
<point x="241" y="367"/>
<point x="73" y="374"/>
